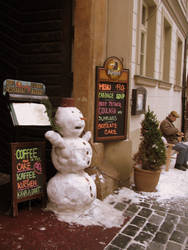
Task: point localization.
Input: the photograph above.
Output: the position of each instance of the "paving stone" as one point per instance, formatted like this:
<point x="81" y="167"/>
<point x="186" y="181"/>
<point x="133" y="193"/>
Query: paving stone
<point x="177" y="212"/>
<point x="120" y="206"/>
<point x="167" y="227"/>
<point x="161" y="237"/>
<point x="186" y="213"/>
<point x="156" y="219"/>
<point x="178" y="237"/>
<point x="160" y="213"/>
<point x="144" y="204"/>
<point x="183" y="220"/>
<point x="133" y="208"/>
<point x="138" y="221"/>
<point x="112" y="202"/>
<point x="110" y="247"/>
<point x="135" y="246"/>
<point x="172" y="218"/>
<point x="126" y="201"/>
<point x="150" y="228"/>
<point x="145" y="212"/>
<point x="143" y="237"/>
<point x="128" y="214"/>
<point x="121" y="240"/>
<point x="130" y="230"/>
<point x="156" y="246"/>
<point x="173" y="246"/>
<point x="158" y="207"/>
<point x="182" y="227"/>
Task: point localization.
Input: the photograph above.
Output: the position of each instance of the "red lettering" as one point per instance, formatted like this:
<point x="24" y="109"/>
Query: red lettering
<point x="120" y="87"/>
<point x="25" y="165"/>
<point x="104" y="86"/>
<point x="110" y="132"/>
<point x="26" y="184"/>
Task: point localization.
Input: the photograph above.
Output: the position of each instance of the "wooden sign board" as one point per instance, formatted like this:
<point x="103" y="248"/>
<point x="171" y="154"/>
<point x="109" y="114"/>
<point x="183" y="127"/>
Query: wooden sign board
<point x="28" y="172"/>
<point x="111" y="101"/>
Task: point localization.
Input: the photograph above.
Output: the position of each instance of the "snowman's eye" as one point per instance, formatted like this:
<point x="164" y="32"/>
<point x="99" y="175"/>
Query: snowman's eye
<point x="84" y="143"/>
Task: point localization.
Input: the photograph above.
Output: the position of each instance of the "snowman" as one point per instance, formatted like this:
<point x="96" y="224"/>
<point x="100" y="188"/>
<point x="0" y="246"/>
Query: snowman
<point x="71" y="189"/>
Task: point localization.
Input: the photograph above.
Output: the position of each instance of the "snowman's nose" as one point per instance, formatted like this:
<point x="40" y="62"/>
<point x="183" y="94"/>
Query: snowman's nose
<point x="83" y="118"/>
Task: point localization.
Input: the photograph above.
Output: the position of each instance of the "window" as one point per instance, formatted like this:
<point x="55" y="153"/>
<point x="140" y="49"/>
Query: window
<point x="178" y="61"/>
<point x="142" y="53"/>
<point x="166" y="50"/>
<point x="144" y="17"/>
<point x="147" y="39"/>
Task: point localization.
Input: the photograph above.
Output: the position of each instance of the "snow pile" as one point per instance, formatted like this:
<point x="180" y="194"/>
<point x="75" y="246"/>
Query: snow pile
<point x="173" y="184"/>
<point x="100" y="214"/>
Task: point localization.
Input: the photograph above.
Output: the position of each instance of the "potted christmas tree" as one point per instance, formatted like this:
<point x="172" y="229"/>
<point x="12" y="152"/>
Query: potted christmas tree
<point x="150" y="156"/>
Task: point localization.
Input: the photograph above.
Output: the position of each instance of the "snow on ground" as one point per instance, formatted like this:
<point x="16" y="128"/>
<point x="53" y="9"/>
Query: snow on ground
<point x="173" y="185"/>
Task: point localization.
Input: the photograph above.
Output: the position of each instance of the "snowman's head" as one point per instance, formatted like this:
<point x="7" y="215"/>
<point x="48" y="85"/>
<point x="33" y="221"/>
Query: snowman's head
<point x="70" y="121"/>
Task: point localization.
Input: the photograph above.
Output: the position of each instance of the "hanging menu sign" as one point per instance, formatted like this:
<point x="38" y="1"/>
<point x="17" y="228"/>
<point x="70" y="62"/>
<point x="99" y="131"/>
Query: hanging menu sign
<point x="28" y="172"/>
<point x="111" y="100"/>
<point x="23" y="87"/>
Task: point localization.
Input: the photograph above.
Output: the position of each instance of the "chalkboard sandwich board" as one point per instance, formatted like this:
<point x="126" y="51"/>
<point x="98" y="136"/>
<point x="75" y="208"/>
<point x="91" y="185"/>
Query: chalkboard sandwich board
<point x="28" y="172"/>
<point x="111" y="101"/>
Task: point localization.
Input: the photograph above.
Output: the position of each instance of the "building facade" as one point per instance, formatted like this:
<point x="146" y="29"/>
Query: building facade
<point x="61" y="43"/>
<point x="149" y="36"/>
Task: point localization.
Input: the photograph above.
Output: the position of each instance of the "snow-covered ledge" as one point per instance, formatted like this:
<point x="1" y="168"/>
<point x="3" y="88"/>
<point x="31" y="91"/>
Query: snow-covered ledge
<point x="177" y="87"/>
<point x="151" y="82"/>
<point x="146" y="81"/>
<point x="164" y="85"/>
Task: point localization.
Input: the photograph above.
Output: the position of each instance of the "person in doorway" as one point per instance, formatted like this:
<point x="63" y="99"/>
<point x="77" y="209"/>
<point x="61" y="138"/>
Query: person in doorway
<point x="173" y="136"/>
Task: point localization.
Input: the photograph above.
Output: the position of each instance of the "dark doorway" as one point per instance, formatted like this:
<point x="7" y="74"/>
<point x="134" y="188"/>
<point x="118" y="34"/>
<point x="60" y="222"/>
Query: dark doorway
<point x="36" y="43"/>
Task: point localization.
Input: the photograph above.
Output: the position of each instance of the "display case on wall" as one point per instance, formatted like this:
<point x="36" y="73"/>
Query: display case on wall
<point x="138" y="101"/>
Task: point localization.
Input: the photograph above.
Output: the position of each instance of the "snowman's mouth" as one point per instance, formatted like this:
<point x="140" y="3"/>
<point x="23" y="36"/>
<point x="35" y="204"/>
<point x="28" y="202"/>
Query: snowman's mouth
<point x="78" y="127"/>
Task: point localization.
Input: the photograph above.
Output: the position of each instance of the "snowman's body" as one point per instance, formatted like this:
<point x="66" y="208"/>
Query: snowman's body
<point x="71" y="189"/>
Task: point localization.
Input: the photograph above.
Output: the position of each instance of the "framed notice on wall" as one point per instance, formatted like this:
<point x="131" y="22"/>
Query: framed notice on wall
<point x="111" y="101"/>
<point x="28" y="172"/>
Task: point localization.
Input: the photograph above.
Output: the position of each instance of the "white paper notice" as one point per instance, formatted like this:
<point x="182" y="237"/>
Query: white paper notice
<point x="31" y="114"/>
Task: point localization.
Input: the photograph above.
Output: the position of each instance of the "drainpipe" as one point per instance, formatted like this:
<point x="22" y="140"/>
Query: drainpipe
<point x="184" y="88"/>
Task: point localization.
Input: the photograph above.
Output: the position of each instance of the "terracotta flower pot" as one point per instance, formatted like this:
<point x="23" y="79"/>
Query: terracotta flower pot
<point x="146" y="180"/>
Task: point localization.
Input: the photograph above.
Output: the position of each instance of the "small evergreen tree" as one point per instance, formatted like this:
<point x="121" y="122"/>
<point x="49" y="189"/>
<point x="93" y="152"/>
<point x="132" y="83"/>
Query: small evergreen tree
<point x="151" y="152"/>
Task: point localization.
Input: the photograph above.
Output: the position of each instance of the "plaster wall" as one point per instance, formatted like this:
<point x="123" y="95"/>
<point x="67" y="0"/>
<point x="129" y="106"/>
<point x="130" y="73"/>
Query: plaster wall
<point x="102" y="29"/>
<point x="89" y="50"/>
<point x="119" y="33"/>
<point x="160" y="100"/>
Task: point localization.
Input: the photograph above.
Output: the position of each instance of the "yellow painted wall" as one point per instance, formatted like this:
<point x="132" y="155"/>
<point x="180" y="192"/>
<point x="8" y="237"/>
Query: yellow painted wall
<point x="102" y="29"/>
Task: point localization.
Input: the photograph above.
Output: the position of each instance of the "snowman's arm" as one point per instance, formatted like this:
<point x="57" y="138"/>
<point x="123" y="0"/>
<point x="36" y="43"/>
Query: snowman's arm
<point x="55" y="139"/>
<point x="87" y="136"/>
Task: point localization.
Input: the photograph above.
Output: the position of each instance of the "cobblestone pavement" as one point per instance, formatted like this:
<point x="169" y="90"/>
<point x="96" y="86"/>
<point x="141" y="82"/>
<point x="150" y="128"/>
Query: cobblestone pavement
<point x="153" y="226"/>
